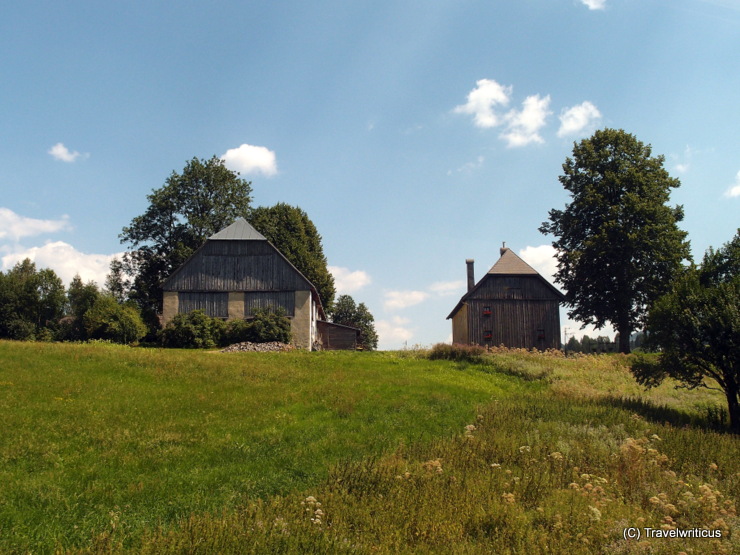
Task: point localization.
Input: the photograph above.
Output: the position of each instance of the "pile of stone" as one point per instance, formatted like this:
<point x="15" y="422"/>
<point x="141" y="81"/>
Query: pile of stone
<point x="247" y="347"/>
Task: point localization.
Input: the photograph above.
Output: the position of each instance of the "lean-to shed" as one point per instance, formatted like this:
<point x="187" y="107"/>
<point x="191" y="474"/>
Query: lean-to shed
<point x="512" y="305"/>
<point x="238" y="271"/>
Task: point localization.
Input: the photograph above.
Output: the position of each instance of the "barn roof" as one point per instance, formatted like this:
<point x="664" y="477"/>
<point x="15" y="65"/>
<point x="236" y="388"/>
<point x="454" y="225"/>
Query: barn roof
<point x="240" y="230"/>
<point x="508" y="265"/>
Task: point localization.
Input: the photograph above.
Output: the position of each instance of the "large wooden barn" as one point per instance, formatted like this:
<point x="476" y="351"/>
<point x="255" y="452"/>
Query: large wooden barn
<point x="238" y="271"/>
<point x="512" y="305"/>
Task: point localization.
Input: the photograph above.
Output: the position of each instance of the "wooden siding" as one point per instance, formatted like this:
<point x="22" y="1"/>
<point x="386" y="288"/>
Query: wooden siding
<point x="215" y="305"/>
<point x="262" y="300"/>
<point x="524" y="313"/>
<point x="514" y="287"/>
<point x="335" y="337"/>
<point x="237" y="266"/>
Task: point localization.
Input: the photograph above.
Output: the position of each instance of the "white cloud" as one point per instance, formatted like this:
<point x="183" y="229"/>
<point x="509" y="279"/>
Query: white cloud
<point x="251" y="159"/>
<point x="481" y="101"/>
<point x="594" y="4"/>
<point x="61" y="152"/>
<point x="523" y="125"/>
<point x="347" y="281"/>
<point x="542" y="259"/>
<point x="577" y="120"/>
<point x="65" y="260"/>
<point x="396" y="300"/>
<point x="393" y="333"/>
<point x="13" y="226"/>
<point x="447" y="288"/>
<point x="734" y="190"/>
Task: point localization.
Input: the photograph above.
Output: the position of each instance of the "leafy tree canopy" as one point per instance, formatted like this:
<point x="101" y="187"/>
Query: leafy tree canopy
<point x="696" y="325"/>
<point x="293" y="233"/>
<point x="348" y="313"/>
<point x="190" y="207"/>
<point x="617" y="242"/>
<point x="31" y="300"/>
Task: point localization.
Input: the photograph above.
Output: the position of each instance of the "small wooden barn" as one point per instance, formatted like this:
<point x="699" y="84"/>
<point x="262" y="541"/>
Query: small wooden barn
<point x="512" y="305"/>
<point x="238" y="271"/>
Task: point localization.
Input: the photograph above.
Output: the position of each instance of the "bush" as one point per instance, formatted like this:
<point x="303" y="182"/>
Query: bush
<point x="199" y="331"/>
<point x="194" y="330"/>
<point x="268" y="325"/>
<point x="457" y="352"/>
<point x="108" y="320"/>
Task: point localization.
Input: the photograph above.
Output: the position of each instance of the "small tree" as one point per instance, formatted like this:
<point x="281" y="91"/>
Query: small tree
<point x="31" y="301"/>
<point x="80" y="298"/>
<point x="697" y="328"/>
<point x="618" y="245"/>
<point x="348" y="313"/>
<point x="108" y="320"/>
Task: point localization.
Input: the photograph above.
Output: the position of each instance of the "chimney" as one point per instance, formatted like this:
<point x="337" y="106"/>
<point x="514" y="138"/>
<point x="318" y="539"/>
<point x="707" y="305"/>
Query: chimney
<point x="471" y="277"/>
<point x="504" y="248"/>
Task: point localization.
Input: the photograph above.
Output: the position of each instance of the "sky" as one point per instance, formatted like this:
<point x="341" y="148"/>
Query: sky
<point x="414" y="134"/>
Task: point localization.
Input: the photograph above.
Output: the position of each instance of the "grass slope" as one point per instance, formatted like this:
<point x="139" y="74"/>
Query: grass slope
<point x="158" y="435"/>
<point x="109" y="449"/>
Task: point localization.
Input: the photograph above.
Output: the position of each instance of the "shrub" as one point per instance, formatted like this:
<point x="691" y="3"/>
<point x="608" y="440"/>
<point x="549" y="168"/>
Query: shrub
<point x="457" y="352"/>
<point x="193" y="330"/>
<point x="108" y="320"/>
<point x="268" y="325"/>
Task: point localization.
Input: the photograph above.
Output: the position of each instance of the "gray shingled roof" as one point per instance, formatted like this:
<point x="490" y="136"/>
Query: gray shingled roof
<point x="511" y="264"/>
<point x="240" y="230"/>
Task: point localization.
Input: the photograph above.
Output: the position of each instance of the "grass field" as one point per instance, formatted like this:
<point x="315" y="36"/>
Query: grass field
<point x="107" y="449"/>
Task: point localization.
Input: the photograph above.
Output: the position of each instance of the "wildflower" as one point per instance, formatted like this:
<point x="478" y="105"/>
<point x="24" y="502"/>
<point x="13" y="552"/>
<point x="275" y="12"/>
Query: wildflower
<point x="525" y="449"/>
<point x="573" y="485"/>
<point x="495" y="466"/>
<point x="654" y="500"/>
<point x="713" y="466"/>
<point x="556" y="456"/>
<point x="655" y="437"/>
<point x="508" y="497"/>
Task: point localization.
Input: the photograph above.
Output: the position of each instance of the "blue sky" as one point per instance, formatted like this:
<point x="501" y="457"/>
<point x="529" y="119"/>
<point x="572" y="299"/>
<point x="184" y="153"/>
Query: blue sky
<point x="414" y="134"/>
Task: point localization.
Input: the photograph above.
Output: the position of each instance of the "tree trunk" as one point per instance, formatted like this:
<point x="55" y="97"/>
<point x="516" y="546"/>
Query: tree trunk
<point x="734" y="408"/>
<point x="624" y="337"/>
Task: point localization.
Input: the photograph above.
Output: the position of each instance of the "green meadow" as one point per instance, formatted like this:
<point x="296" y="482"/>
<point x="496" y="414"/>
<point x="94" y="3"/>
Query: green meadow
<point x="114" y="449"/>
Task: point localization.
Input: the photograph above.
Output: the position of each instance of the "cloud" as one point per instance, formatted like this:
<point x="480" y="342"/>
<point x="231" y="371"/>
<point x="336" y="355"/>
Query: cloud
<point x="61" y="152"/>
<point x="734" y="190"/>
<point x="578" y="120"/>
<point x="541" y="258"/>
<point x="251" y="159"/>
<point x="347" y="281"/>
<point x="447" y="288"/>
<point x="14" y="227"/>
<point x="394" y="332"/>
<point x="65" y="260"/>
<point x="594" y="4"/>
<point x="469" y="167"/>
<point x="481" y="101"/>
<point x="396" y="300"/>
<point x="523" y="126"/>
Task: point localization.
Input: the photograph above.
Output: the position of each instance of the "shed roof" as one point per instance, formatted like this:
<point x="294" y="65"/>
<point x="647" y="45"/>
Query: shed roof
<point x="510" y="264"/>
<point x="240" y="230"/>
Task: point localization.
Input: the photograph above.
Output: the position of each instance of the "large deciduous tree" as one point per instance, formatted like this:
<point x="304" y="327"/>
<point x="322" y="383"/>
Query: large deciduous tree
<point x="348" y="313"/>
<point x="696" y="326"/>
<point x="182" y="214"/>
<point x="293" y="233"/>
<point x="618" y="245"/>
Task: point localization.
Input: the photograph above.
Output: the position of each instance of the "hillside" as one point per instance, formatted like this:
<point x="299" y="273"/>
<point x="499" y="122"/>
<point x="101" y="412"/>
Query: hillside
<point x="110" y="448"/>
